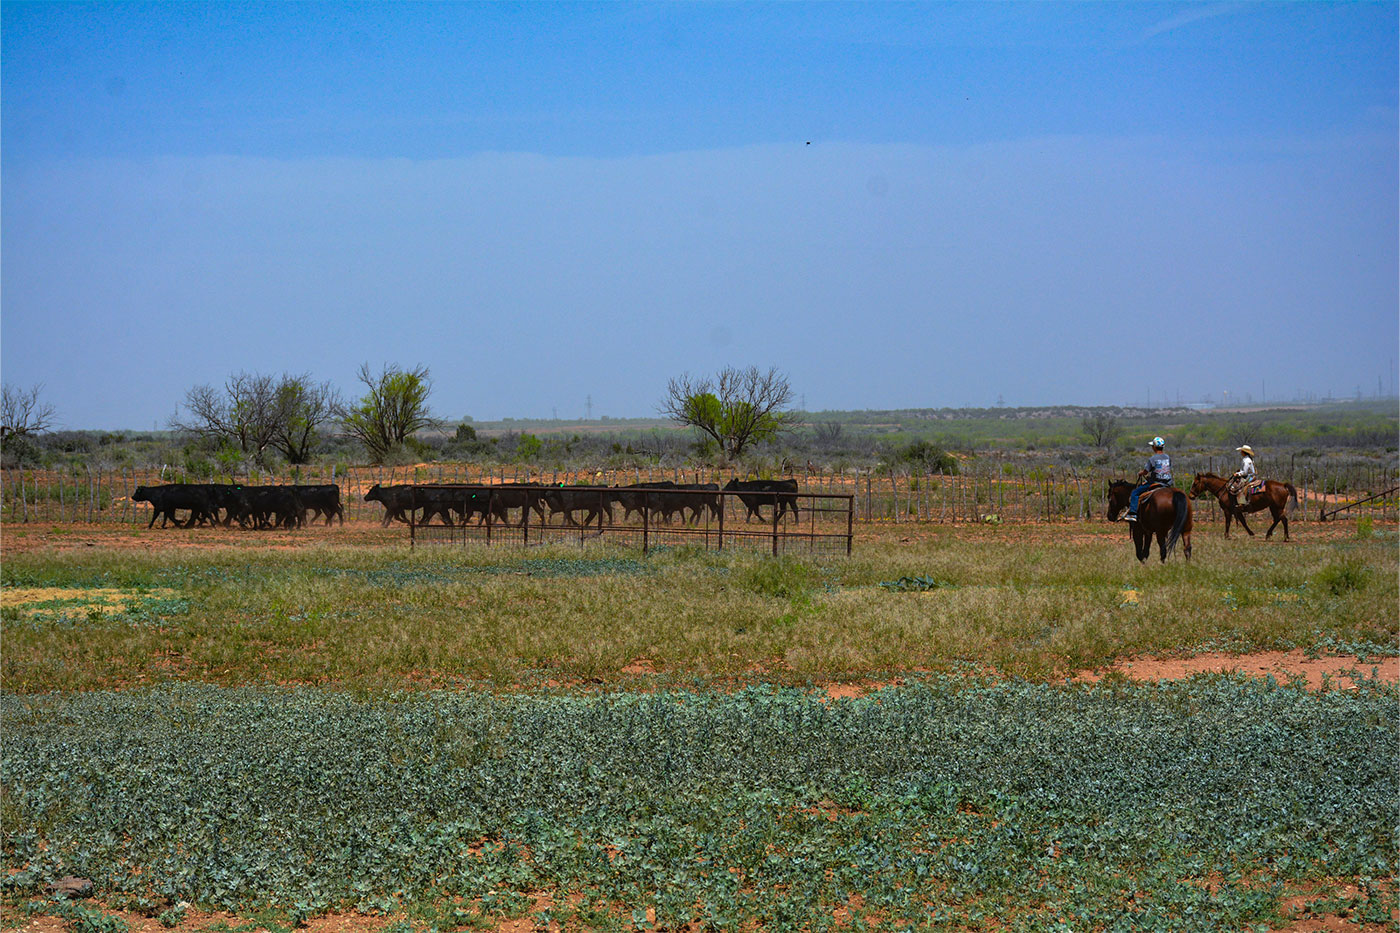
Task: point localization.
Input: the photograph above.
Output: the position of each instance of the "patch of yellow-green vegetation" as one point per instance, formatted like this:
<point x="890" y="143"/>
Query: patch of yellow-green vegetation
<point x="384" y="618"/>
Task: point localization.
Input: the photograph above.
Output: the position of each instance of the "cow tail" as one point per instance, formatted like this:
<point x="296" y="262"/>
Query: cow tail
<point x="1179" y="504"/>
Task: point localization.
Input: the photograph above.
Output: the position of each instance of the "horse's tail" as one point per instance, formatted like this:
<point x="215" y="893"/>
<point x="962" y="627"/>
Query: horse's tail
<point x="1181" y="505"/>
<point x="1293" y="494"/>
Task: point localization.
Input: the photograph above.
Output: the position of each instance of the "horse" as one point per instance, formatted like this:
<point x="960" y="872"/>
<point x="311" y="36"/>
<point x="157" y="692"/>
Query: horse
<point x="1274" y="498"/>
<point x="1165" y="512"/>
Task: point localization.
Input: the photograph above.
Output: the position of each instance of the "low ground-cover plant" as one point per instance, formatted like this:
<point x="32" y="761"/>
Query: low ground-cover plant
<point x="1180" y="807"/>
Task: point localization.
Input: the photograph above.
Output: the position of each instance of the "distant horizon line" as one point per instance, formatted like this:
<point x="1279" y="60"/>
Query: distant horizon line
<point x="621" y="420"/>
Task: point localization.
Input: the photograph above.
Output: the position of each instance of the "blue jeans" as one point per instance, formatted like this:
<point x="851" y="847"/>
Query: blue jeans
<point x="1137" y="491"/>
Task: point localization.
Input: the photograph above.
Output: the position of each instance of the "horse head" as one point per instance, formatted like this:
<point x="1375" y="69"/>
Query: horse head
<point x="1118" y="492"/>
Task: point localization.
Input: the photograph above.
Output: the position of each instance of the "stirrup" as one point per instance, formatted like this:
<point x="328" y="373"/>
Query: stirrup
<point x="1130" y="517"/>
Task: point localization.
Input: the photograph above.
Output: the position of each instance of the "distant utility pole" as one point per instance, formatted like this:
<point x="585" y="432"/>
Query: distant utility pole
<point x="588" y="407"/>
<point x="555" y="410"/>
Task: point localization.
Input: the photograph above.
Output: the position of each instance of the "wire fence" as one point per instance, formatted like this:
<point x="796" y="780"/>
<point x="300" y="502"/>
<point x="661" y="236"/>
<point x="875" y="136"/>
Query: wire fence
<point x="629" y="516"/>
<point x="984" y="490"/>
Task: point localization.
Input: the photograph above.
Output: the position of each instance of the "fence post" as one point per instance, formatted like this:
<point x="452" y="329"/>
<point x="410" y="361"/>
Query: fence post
<point x="850" y="524"/>
<point x="775" y="524"/>
<point x="721" y="524"/>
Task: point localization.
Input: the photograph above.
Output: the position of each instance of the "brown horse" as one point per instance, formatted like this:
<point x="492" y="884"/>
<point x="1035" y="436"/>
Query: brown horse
<point x="1274" y="498"/>
<point x="1165" y="512"/>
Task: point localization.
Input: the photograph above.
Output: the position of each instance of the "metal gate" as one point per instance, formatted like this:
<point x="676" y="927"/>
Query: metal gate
<point x="527" y="514"/>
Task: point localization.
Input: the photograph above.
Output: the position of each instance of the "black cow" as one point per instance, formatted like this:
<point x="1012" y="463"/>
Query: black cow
<point x="274" y="506"/>
<point x="523" y="496"/>
<point x="232" y="501"/>
<point x="397" y="500"/>
<point x="444" y="501"/>
<point x="566" y="501"/>
<point x="166" y="499"/>
<point x="698" y="503"/>
<point x="633" y="500"/>
<point x="755" y="493"/>
<point x="666" y="499"/>
<point x="322" y="499"/>
<point x="402" y="502"/>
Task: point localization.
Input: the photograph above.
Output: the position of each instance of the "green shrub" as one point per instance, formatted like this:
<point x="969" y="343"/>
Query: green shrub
<point x="1344" y="576"/>
<point x="780" y="577"/>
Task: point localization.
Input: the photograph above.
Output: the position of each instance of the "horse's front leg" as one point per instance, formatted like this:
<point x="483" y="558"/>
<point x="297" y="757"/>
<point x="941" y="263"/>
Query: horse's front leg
<point x="1239" y="514"/>
<point x="1142" y="542"/>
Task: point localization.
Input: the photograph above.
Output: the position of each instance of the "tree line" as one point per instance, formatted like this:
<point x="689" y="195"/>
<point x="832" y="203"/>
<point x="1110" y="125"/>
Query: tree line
<point x="736" y="416"/>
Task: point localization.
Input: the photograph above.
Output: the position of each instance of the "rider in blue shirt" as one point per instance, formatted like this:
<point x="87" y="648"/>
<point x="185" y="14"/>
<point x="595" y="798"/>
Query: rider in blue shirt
<point x="1157" y="471"/>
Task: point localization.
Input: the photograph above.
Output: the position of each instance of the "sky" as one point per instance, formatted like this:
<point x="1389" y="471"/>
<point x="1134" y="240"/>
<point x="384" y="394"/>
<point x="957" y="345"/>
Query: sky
<point x="557" y="207"/>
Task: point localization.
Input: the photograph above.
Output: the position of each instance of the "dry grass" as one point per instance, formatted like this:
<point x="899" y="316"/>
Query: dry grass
<point x="1032" y="603"/>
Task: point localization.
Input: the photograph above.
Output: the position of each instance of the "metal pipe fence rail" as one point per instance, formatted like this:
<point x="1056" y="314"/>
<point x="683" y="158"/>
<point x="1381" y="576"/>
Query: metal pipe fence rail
<point x="713" y="519"/>
<point x="987" y="489"/>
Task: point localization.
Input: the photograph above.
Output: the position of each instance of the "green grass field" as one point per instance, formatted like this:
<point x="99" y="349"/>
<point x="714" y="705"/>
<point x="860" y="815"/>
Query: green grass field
<point x="448" y="738"/>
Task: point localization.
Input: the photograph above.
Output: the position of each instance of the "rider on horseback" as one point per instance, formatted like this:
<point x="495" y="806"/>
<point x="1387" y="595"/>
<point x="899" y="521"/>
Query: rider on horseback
<point x="1244" y="476"/>
<point x="1158" y="472"/>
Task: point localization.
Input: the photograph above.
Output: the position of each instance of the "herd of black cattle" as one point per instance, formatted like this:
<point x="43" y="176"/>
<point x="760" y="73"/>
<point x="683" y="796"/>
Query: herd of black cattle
<point x="255" y="506"/>
<point x="294" y="505"/>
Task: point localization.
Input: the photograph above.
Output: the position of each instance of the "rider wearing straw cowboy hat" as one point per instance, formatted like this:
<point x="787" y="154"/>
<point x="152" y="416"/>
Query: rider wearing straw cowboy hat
<point x="1157" y="471"/>
<point x="1244" y="476"/>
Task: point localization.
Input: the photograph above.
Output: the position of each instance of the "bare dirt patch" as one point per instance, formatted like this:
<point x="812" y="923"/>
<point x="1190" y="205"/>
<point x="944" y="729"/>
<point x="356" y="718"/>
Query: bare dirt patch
<point x="1339" y="671"/>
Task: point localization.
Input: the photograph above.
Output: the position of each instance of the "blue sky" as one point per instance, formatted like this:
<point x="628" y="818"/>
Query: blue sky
<point x="899" y="205"/>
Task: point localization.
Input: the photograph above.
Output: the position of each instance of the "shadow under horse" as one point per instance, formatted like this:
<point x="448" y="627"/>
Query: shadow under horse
<point x="1164" y="512"/>
<point x="1274" y="497"/>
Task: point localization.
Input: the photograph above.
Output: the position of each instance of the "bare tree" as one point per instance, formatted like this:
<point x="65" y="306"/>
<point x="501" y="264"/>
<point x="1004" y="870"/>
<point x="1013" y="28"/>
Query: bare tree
<point x="395" y="406"/>
<point x="1103" y="429"/>
<point x="736" y="408"/>
<point x="829" y="435"/>
<point x="1249" y="430"/>
<point x="244" y="413"/>
<point x="22" y="414"/>
<point x="302" y="408"/>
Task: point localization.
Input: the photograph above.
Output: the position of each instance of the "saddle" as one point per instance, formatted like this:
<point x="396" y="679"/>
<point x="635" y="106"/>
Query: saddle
<point x="1255" y="488"/>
